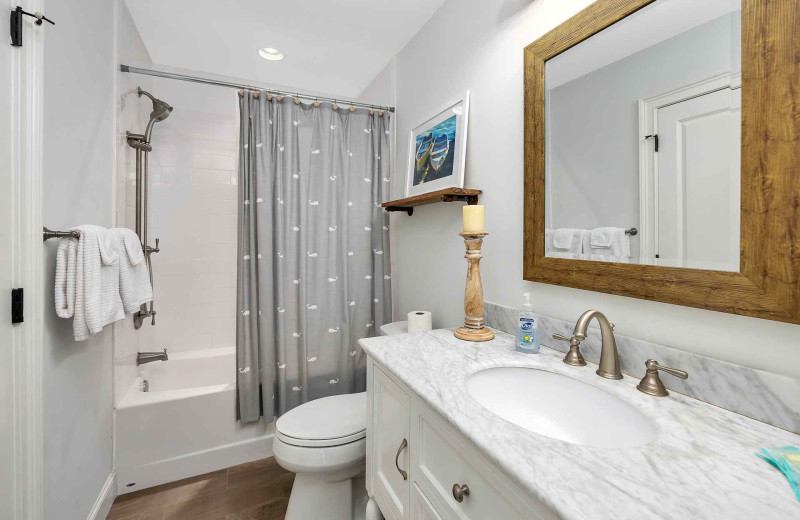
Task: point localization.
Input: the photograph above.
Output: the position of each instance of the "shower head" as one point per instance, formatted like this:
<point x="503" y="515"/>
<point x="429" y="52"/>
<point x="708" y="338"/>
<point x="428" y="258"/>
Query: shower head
<point x="160" y="112"/>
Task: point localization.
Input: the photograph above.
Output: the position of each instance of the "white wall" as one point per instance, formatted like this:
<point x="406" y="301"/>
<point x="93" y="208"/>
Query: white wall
<point x="593" y="177"/>
<point x="482" y="43"/>
<point x="77" y="189"/>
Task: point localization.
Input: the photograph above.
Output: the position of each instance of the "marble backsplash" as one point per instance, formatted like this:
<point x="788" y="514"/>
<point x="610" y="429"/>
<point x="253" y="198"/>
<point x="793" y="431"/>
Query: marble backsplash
<point x="767" y="397"/>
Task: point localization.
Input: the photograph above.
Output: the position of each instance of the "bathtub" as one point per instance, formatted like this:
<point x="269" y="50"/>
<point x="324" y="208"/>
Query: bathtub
<point x="185" y="425"/>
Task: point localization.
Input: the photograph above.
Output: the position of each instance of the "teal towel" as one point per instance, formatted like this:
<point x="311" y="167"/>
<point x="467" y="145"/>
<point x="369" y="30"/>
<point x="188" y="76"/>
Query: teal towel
<point x="786" y="459"/>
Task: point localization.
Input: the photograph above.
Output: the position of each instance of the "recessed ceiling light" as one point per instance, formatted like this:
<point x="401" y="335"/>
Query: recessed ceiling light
<point x="268" y="53"/>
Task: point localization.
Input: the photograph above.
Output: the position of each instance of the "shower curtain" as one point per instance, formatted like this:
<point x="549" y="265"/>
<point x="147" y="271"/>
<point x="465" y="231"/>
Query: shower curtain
<point x="313" y="246"/>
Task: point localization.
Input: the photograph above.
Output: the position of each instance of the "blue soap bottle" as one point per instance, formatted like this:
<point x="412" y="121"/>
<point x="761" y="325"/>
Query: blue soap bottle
<point x="527" y="328"/>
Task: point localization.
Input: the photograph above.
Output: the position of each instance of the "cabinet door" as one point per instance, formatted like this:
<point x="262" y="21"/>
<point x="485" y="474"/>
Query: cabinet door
<point x="390" y="460"/>
<point x="421" y="507"/>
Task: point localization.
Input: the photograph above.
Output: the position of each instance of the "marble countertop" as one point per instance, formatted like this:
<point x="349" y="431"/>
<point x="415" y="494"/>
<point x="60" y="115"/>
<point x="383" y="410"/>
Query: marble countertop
<point x="702" y="464"/>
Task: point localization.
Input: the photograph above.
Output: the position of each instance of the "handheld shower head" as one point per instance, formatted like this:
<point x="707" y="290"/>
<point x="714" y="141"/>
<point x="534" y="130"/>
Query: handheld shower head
<point x="160" y="112"/>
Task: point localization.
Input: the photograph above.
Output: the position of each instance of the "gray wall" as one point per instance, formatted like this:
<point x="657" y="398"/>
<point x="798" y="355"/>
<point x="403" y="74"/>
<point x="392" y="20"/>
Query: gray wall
<point x="77" y="189"/>
<point x="483" y="43"/>
<point x="594" y="124"/>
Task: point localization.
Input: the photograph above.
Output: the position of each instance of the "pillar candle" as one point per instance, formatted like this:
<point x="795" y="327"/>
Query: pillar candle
<point x="473" y="219"/>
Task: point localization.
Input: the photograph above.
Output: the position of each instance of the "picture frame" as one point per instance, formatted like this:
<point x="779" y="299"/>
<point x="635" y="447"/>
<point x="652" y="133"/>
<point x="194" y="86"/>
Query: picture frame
<point x="437" y="150"/>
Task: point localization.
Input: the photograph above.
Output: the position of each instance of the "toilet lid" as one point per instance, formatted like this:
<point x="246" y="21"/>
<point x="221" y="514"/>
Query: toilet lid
<point x="329" y="421"/>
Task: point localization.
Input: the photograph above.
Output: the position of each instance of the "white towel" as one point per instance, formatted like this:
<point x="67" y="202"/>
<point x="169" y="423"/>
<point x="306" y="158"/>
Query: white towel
<point x="134" y="278"/>
<point x="97" y="300"/>
<point x="617" y="250"/>
<point x="65" y="277"/>
<point x="567" y="240"/>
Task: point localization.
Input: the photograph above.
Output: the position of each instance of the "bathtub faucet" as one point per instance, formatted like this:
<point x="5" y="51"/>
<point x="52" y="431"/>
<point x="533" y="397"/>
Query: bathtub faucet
<point x="149" y="357"/>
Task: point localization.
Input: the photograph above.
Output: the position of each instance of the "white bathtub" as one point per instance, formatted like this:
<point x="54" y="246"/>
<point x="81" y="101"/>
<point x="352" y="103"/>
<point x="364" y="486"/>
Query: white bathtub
<point x="186" y="424"/>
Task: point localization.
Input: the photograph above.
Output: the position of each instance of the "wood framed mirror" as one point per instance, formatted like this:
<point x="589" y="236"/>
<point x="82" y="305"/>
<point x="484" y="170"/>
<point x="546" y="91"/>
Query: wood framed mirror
<point x="764" y="281"/>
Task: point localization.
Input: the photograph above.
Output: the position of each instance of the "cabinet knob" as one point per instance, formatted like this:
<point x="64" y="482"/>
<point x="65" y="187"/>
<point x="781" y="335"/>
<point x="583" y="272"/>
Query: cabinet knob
<point x="403" y="446"/>
<point x="459" y="492"/>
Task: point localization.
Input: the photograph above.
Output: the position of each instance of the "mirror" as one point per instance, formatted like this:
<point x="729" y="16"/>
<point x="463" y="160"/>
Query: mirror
<point x="643" y="139"/>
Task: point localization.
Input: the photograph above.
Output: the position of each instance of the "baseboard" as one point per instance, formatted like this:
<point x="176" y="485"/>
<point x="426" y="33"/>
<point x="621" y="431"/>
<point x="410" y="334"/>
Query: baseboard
<point x="193" y="464"/>
<point x="104" y="500"/>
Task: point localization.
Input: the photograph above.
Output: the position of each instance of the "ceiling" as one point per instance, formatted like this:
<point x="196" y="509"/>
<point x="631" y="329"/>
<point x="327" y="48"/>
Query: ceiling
<point x="333" y="47"/>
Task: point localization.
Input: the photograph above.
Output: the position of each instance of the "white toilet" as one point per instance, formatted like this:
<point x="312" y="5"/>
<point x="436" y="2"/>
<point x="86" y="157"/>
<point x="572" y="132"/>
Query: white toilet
<point x="324" y="443"/>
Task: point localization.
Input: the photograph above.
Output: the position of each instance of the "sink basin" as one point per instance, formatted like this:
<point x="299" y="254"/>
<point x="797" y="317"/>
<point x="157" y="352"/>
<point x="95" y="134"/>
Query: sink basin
<point x="561" y="407"/>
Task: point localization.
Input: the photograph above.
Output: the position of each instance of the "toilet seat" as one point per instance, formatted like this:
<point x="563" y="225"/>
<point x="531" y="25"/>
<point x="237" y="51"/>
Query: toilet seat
<point x="330" y="421"/>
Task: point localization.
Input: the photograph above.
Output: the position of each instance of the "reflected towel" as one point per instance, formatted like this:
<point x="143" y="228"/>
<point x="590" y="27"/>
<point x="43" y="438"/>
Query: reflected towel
<point x="617" y="250"/>
<point x="786" y="459"/>
<point x="567" y="239"/>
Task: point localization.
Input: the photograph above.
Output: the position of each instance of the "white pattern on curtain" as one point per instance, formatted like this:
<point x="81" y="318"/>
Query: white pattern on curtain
<point x="313" y="267"/>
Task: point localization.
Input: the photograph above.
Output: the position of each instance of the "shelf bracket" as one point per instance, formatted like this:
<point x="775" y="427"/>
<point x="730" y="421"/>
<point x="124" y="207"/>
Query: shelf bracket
<point x="409" y="211"/>
<point x="471" y="200"/>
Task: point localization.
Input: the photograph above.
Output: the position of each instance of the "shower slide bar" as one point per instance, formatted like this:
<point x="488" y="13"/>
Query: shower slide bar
<point x="220" y="83"/>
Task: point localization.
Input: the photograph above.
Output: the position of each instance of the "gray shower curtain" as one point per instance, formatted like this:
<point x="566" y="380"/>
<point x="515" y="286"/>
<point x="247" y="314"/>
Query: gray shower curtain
<point x="313" y="266"/>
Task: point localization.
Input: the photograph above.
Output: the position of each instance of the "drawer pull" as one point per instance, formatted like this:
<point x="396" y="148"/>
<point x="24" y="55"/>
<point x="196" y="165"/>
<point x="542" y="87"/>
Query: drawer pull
<point x="403" y="445"/>
<point x="459" y="492"/>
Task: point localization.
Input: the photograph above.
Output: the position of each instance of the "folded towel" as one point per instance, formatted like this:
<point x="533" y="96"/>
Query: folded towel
<point x="601" y="237"/>
<point x="567" y="239"/>
<point x="617" y="250"/>
<point x="65" y="277"/>
<point x="786" y="459"/>
<point x="134" y="278"/>
<point x="97" y="300"/>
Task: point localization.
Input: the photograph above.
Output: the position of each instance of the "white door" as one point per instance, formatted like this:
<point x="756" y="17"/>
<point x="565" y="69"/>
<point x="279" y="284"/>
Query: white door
<point x="391" y="416"/>
<point x="698" y="182"/>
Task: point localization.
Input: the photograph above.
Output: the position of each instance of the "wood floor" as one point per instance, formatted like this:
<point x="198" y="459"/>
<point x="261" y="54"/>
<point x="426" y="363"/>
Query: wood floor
<point x="253" y="491"/>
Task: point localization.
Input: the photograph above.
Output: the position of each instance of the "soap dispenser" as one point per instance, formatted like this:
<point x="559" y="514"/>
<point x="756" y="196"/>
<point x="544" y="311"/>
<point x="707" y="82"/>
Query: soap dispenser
<point x="527" y="328"/>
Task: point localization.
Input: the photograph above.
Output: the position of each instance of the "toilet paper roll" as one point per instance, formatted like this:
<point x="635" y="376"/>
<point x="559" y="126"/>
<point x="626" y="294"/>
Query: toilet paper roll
<point x="419" y="321"/>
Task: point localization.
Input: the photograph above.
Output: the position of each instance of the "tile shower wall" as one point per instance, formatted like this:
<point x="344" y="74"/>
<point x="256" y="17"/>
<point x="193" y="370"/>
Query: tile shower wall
<point x="132" y="115"/>
<point x="193" y="177"/>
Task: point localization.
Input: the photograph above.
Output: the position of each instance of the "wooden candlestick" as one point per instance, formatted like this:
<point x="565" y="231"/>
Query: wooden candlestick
<point x="473" y="329"/>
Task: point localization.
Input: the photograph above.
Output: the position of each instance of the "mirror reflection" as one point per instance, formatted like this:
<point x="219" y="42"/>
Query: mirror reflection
<point x="643" y="139"/>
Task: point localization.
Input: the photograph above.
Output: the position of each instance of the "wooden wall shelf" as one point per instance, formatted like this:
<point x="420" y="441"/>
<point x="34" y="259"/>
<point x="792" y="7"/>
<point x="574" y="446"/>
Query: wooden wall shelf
<point x="445" y="195"/>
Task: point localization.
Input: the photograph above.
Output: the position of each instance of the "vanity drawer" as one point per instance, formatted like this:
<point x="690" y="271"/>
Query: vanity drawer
<point x="442" y="459"/>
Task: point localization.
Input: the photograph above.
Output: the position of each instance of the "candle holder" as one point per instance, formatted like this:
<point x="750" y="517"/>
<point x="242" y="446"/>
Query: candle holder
<point x="474" y="328"/>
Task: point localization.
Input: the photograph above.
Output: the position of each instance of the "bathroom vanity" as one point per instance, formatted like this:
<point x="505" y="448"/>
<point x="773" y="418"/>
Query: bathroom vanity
<point x="438" y="448"/>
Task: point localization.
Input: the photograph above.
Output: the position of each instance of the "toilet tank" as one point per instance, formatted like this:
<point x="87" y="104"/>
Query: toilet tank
<point x="396" y="327"/>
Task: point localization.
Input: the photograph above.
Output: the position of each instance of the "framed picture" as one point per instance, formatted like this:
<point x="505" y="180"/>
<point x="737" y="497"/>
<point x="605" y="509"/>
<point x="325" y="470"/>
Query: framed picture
<point x="436" y="150"/>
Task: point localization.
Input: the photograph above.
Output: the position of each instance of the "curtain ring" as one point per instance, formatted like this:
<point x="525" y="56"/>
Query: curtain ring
<point x="316" y="102"/>
<point x="279" y="97"/>
<point x="269" y="97"/>
<point x="352" y="109"/>
<point x="372" y="111"/>
<point x="335" y="106"/>
<point x="296" y="98"/>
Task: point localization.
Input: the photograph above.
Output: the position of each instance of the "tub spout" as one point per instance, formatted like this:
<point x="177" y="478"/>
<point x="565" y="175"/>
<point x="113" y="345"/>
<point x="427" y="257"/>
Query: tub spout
<point x="149" y="357"/>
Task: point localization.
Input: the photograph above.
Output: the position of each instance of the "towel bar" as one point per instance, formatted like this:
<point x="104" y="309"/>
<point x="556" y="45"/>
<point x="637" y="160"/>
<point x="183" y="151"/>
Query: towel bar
<point x="49" y="233"/>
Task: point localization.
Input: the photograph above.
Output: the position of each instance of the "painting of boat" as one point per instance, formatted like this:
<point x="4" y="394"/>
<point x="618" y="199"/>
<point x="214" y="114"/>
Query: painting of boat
<point x="424" y="150"/>
<point x="441" y="146"/>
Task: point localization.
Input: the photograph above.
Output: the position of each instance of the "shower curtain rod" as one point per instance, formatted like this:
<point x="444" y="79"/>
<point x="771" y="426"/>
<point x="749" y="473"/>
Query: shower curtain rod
<point x="195" y="79"/>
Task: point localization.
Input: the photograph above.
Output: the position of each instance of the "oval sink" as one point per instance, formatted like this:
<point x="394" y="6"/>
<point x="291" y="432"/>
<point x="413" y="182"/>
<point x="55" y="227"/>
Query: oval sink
<point x="561" y="407"/>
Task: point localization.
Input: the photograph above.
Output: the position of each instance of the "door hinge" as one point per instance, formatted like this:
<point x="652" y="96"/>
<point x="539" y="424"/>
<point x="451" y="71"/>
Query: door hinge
<point x="654" y="137"/>
<point x="17" y="306"/>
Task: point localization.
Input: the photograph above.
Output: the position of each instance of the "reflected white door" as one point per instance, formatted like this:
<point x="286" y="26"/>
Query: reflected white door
<point x="698" y="182"/>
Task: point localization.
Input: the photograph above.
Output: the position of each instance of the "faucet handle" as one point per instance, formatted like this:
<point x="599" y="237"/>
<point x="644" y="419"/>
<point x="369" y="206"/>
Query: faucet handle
<point x="651" y="384"/>
<point x="574" y="356"/>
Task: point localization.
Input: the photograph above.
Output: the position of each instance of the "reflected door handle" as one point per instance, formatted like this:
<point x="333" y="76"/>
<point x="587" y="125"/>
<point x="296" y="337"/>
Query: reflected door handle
<point x="403" y="445"/>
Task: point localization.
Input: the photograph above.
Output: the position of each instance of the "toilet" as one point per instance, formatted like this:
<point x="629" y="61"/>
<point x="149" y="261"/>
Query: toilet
<point x="324" y="443"/>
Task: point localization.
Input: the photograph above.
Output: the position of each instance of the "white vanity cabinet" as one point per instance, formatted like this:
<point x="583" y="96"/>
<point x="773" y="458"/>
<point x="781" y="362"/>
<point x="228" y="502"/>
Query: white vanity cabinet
<point x="420" y="468"/>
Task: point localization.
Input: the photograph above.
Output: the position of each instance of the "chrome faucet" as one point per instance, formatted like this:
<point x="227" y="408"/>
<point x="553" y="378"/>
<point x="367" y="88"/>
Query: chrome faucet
<point x="149" y="357"/>
<point x="609" y="357"/>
